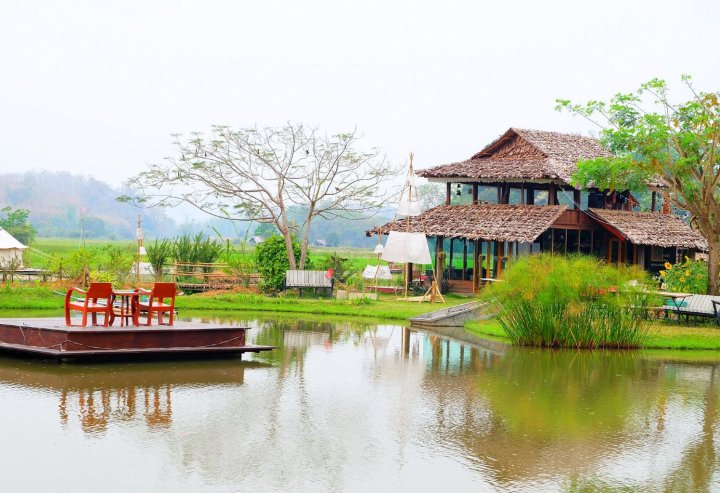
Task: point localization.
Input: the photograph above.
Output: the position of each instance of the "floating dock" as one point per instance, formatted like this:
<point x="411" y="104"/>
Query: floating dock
<point x="51" y="338"/>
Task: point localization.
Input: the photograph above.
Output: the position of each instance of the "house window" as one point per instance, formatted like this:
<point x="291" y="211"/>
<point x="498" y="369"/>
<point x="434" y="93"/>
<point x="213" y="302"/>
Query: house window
<point x="586" y="241"/>
<point x="656" y="254"/>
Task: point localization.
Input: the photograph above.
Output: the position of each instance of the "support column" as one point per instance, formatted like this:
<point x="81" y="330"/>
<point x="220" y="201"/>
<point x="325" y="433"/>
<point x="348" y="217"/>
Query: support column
<point x="450" y="262"/>
<point x="577" y="199"/>
<point x="530" y="194"/>
<point x="447" y="193"/>
<point x="488" y="260"/>
<point x="552" y="194"/>
<point x="653" y="205"/>
<point x="477" y="267"/>
<point x="500" y="256"/>
<point x="474" y="193"/>
<point x="465" y="249"/>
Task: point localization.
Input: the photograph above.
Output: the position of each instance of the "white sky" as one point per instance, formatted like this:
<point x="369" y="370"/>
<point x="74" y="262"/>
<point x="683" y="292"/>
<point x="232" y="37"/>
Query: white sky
<point x="97" y="87"/>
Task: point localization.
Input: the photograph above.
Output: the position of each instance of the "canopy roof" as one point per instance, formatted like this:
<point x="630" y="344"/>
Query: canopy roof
<point x="503" y="222"/>
<point x="522" y="155"/>
<point x="646" y="228"/>
<point x="8" y="242"/>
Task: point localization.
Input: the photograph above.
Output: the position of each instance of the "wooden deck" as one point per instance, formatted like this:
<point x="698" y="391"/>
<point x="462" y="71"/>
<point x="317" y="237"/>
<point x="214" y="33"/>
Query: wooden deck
<point x="51" y="338"/>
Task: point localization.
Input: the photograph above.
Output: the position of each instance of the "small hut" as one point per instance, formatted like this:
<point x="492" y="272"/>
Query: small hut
<point x="10" y="249"/>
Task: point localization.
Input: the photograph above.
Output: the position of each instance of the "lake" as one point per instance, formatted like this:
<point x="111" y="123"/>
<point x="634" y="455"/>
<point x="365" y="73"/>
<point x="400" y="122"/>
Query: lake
<point x="357" y="406"/>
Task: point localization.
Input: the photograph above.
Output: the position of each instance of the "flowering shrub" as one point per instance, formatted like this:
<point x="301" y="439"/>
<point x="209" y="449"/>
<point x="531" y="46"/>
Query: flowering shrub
<point x="689" y="276"/>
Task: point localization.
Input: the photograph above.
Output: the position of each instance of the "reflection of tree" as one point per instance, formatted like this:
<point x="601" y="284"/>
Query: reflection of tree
<point x="530" y="415"/>
<point x="696" y="469"/>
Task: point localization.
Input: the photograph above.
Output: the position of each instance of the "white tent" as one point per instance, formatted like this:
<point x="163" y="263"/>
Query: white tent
<point x="10" y="248"/>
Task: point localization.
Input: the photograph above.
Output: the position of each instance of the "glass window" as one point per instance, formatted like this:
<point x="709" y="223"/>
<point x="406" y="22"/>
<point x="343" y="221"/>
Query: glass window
<point x="573" y="241"/>
<point x="585" y="240"/>
<point x="559" y="238"/>
<point x="541" y="197"/>
<point x="459" y="194"/>
<point x="598" y="247"/>
<point x="546" y="241"/>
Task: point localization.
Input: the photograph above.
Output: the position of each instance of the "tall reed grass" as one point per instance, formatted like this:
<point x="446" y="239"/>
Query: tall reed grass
<point x="575" y="301"/>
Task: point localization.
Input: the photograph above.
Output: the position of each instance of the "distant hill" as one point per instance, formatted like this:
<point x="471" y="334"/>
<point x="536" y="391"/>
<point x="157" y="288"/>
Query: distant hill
<point x="56" y="198"/>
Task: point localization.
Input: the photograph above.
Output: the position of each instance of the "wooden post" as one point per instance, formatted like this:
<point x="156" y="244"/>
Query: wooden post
<point x="499" y="194"/>
<point x="488" y="260"/>
<point x="500" y="256"/>
<point x="577" y="199"/>
<point x="530" y="190"/>
<point x="474" y="193"/>
<point x="505" y="194"/>
<point x="450" y="262"/>
<point x="653" y="205"/>
<point x="552" y="194"/>
<point x="465" y="249"/>
<point x="477" y="268"/>
<point x="447" y="193"/>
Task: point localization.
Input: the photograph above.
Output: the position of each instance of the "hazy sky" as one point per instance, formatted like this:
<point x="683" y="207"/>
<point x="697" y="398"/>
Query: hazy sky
<point x="97" y="87"/>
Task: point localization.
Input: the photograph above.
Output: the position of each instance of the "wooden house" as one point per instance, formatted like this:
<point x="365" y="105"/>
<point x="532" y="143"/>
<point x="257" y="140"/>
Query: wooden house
<point x="514" y="197"/>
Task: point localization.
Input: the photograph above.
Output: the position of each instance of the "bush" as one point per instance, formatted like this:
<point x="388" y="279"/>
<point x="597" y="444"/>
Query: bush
<point x="158" y="253"/>
<point x="272" y="262"/>
<point x="573" y="301"/>
<point x="689" y="276"/>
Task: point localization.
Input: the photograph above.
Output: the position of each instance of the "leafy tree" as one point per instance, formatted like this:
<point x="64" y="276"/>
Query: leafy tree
<point x="657" y="139"/>
<point x="272" y="262"/>
<point x="158" y="253"/>
<point x="16" y="223"/>
<point x="266" y="230"/>
<point x="258" y="174"/>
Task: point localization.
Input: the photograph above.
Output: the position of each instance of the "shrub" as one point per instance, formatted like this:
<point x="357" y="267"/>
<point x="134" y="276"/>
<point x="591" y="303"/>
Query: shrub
<point x="158" y="253"/>
<point x="272" y="262"/>
<point x="573" y="301"/>
<point x="689" y="276"/>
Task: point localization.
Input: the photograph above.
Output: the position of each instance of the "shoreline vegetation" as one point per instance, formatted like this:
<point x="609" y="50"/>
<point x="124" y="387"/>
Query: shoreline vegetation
<point x="661" y="335"/>
<point x="38" y="301"/>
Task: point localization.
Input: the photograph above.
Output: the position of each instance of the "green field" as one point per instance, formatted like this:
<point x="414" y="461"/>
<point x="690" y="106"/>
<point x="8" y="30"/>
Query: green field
<point x="42" y="248"/>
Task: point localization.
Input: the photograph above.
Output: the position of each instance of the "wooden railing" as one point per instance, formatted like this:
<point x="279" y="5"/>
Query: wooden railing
<point x="209" y="276"/>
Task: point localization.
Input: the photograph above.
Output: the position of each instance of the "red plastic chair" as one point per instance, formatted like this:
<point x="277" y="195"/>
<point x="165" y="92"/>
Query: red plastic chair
<point x="155" y="303"/>
<point x="98" y="299"/>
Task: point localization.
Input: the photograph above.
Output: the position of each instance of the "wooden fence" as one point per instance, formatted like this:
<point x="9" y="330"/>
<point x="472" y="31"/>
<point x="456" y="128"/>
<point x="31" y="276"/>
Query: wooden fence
<point x="206" y="277"/>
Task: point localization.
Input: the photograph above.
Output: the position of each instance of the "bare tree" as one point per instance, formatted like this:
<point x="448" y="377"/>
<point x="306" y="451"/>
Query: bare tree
<point x="257" y="174"/>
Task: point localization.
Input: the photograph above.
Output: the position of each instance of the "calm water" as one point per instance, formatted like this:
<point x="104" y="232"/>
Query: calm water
<point x="354" y="407"/>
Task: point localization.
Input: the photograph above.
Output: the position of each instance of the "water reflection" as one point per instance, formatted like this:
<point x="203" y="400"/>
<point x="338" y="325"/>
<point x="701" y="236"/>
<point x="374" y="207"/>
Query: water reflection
<point x="342" y="405"/>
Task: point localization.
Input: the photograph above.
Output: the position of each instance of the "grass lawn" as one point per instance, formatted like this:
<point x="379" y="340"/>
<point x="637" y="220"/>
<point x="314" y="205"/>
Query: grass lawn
<point x="663" y="335"/>
<point x="43" y="298"/>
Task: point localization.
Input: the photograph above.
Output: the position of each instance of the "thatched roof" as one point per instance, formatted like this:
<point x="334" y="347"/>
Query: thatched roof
<point x="524" y="155"/>
<point x="646" y="228"/>
<point x="479" y="222"/>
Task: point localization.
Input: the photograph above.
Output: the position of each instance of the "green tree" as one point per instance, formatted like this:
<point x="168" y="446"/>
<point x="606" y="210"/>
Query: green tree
<point x="16" y="222"/>
<point x="656" y="140"/>
<point x="266" y="230"/>
<point x="272" y="261"/>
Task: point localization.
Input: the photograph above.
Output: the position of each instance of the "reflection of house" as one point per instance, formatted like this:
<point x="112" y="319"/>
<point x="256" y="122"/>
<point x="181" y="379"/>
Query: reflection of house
<point x="514" y="197"/>
<point x="11" y="250"/>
